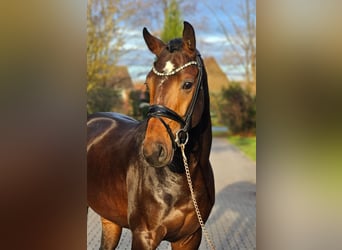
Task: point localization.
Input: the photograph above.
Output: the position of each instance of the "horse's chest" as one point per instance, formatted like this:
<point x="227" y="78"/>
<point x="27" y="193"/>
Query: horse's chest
<point x="180" y="220"/>
<point x="163" y="201"/>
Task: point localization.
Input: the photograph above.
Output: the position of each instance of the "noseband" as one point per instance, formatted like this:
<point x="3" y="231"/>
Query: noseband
<point x="160" y="111"/>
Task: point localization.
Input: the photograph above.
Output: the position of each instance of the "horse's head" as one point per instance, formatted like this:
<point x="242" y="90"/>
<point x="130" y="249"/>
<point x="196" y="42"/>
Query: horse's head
<point x="176" y="98"/>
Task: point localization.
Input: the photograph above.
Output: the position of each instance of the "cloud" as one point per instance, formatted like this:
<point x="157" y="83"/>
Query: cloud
<point x="213" y="38"/>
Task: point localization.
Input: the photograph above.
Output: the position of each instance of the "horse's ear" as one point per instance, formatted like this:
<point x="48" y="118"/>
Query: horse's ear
<point x="154" y="44"/>
<point x="189" y="40"/>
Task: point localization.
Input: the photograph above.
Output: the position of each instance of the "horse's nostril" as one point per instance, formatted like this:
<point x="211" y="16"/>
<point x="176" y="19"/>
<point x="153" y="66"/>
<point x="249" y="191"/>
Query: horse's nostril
<point x="155" y="154"/>
<point x="162" y="152"/>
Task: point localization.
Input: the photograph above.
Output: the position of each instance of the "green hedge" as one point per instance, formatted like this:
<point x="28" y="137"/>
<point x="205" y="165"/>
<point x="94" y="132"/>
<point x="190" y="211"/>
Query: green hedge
<point x="103" y="99"/>
<point x="238" y="109"/>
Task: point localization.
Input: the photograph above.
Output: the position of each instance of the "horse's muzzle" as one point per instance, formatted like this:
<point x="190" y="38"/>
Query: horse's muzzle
<point x="156" y="154"/>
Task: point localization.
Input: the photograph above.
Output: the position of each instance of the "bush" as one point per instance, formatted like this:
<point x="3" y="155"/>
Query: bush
<point x="238" y="110"/>
<point x="140" y="103"/>
<point x="103" y="99"/>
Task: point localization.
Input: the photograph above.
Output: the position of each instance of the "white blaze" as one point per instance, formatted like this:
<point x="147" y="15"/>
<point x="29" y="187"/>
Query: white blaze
<point x="168" y="67"/>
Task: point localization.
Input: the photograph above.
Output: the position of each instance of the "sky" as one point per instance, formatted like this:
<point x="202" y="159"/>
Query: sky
<point x="210" y="38"/>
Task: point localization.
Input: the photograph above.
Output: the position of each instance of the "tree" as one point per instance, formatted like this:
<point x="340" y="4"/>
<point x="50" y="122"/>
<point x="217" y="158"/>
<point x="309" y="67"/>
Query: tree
<point x="101" y="28"/>
<point x="173" y="24"/>
<point x="245" y="29"/>
<point x="242" y="38"/>
<point x="104" y="48"/>
<point x="140" y="103"/>
<point x="102" y="98"/>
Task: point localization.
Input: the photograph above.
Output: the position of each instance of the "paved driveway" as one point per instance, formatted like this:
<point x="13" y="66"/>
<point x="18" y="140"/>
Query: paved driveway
<point x="232" y="223"/>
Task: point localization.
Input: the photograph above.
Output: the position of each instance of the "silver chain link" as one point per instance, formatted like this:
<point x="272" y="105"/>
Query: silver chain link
<point x="200" y="220"/>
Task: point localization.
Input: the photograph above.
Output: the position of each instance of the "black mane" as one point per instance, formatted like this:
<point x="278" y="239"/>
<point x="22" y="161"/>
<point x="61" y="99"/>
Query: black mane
<point x="174" y="45"/>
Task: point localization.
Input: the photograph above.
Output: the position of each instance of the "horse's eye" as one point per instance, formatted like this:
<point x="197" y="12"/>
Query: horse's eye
<point x="187" y="85"/>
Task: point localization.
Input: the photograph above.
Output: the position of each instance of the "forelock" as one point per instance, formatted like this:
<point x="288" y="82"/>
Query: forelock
<point x="174" y="45"/>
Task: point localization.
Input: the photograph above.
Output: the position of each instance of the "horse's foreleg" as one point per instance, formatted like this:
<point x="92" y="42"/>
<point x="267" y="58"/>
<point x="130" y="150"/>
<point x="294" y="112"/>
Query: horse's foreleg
<point x="188" y="243"/>
<point x="111" y="233"/>
<point x="147" y="240"/>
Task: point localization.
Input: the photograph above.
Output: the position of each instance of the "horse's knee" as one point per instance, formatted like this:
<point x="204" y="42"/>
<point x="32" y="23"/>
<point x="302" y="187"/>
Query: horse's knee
<point x="190" y="242"/>
<point x="111" y="233"/>
<point x="147" y="240"/>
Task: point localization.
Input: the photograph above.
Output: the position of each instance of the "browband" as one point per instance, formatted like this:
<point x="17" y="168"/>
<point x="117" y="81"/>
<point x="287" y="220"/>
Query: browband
<point x="173" y="71"/>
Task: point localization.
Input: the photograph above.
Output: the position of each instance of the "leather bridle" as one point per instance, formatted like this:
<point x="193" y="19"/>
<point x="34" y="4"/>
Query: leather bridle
<point x="160" y="111"/>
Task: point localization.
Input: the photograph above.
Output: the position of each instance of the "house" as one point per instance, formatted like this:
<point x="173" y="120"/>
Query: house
<point x="122" y="81"/>
<point x="217" y="79"/>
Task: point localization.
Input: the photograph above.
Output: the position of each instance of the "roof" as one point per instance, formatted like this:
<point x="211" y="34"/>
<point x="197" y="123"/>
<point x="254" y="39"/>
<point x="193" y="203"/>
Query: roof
<point x="217" y="79"/>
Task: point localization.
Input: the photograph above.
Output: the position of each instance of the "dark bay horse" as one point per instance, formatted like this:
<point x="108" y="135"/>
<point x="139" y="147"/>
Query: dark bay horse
<point x="136" y="176"/>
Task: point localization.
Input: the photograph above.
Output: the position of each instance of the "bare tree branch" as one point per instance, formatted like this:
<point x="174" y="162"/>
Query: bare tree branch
<point x="242" y="39"/>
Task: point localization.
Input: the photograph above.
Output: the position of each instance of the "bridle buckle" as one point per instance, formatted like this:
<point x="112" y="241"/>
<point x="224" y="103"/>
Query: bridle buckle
<point x="182" y="137"/>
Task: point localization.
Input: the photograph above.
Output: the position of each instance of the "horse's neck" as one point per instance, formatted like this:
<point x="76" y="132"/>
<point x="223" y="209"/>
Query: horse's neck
<point x="205" y="137"/>
<point x="201" y="137"/>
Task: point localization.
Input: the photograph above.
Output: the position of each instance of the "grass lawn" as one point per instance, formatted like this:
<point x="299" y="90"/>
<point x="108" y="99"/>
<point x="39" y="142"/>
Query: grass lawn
<point x="245" y="144"/>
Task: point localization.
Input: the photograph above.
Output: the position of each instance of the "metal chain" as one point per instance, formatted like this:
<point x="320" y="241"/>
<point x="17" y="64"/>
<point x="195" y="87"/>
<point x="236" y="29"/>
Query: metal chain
<point x="200" y="220"/>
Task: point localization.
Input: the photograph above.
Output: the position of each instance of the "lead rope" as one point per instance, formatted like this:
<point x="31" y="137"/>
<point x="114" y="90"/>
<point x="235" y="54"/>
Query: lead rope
<point x="188" y="177"/>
